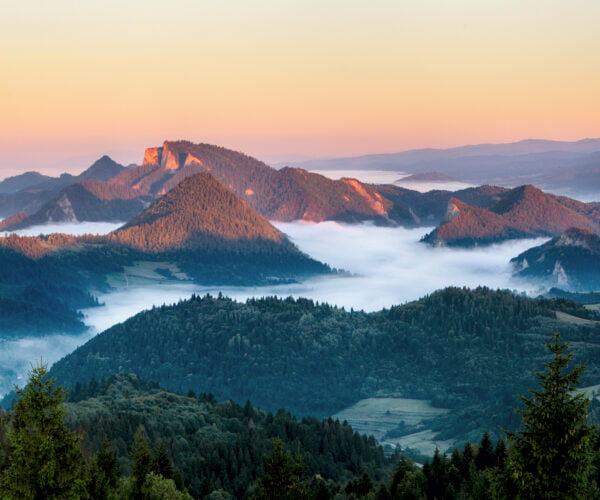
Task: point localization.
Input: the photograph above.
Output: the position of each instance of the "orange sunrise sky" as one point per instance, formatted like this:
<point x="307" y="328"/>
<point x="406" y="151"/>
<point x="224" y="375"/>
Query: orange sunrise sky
<point x="314" y="78"/>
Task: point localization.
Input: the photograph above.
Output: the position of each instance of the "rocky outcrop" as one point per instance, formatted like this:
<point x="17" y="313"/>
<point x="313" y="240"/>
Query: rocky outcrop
<point x="571" y="261"/>
<point x="152" y="156"/>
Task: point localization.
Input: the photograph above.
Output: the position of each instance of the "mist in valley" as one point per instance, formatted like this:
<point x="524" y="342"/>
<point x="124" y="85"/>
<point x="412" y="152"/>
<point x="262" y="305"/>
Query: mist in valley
<point x="388" y="266"/>
<point x="74" y="228"/>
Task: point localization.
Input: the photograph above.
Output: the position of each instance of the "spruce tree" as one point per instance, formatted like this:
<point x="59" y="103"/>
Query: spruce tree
<point x="551" y="456"/>
<point x="282" y="477"/>
<point x="45" y="460"/>
<point x="142" y="459"/>
<point x="485" y="454"/>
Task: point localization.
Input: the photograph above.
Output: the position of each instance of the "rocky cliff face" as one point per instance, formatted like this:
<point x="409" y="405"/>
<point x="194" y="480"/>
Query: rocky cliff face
<point x="571" y="260"/>
<point x="169" y="157"/>
<point x="152" y="156"/>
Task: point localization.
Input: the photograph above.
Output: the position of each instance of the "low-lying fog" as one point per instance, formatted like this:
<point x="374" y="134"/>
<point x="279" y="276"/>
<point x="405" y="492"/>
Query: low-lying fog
<point x="392" y="177"/>
<point x="390" y="267"/>
<point x="75" y="228"/>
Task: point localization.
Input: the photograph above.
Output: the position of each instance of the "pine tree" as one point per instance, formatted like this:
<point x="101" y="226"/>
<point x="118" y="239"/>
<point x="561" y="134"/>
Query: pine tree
<point x="485" y="455"/>
<point x="45" y="460"/>
<point x="162" y="462"/>
<point x="142" y="461"/>
<point x="551" y="456"/>
<point x="102" y="473"/>
<point x="282" y="478"/>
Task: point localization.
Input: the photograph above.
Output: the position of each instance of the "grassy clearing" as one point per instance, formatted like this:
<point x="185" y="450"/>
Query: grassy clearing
<point x="145" y="273"/>
<point x="568" y="318"/>
<point x="379" y="416"/>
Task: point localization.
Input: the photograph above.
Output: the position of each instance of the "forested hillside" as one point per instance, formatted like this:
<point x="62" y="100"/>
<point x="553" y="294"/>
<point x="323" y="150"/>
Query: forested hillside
<point x="468" y="350"/>
<point x="39" y="296"/>
<point x="522" y="212"/>
<point x="200" y="227"/>
<point x="131" y="439"/>
<point x="217" y="445"/>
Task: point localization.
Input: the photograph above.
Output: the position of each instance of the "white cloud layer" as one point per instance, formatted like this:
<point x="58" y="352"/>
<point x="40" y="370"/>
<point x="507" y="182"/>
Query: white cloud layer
<point x="389" y="265"/>
<point x="76" y="228"/>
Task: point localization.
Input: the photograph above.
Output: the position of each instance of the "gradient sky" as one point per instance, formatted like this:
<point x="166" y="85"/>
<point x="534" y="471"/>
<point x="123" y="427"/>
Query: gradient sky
<point x="270" y="77"/>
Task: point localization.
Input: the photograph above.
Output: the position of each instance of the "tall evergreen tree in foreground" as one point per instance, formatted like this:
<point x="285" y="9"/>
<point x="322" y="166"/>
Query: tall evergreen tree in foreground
<point x="551" y="457"/>
<point x="44" y="456"/>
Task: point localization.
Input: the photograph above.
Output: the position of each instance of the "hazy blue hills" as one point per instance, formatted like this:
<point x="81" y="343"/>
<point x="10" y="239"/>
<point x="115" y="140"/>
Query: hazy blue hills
<point x="22" y="181"/>
<point x="28" y="192"/>
<point x="553" y="165"/>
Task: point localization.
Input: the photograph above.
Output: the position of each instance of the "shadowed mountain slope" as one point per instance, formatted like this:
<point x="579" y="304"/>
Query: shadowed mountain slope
<point x="571" y="260"/>
<point x="31" y="191"/>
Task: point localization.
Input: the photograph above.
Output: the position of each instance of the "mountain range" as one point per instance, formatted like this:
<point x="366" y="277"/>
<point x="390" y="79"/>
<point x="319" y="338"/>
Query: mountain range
<point x="28" y="192"/>
<point x="560" y="166"/>
<point x="470" y="216"/>
<point x="198" y="231"/>
<point x="522" y="212"/>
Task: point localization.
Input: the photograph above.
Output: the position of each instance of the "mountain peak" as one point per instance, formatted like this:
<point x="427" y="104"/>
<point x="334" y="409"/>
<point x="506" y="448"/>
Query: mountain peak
<point x="172" y="155"/>
<point x="198" y="212"/>
<point x="103" y="169"/>
<point x="578" y="236"/>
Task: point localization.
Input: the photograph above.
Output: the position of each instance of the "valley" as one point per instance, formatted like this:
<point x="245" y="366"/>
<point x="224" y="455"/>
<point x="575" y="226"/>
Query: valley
<point x="388" y="266"/>
<point x="258" y="310"/>
<point x="265" y="250"/>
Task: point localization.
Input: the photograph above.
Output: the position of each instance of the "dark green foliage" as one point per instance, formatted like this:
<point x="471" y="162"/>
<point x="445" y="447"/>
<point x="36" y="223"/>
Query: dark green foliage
<point x="214" y="445"/>
<point x="44" y="458"/>
<point x="485" y="454"/>
<point x="102" y="472"/>
<point x="551" y="456"/>
<point x="4" y="443"/>
<point x="282" y="477"/>
<point x="500" y="453"/>
<point x="37" y="296"/>
<point x="468" y="350"/>
<point x="581" y="297"/>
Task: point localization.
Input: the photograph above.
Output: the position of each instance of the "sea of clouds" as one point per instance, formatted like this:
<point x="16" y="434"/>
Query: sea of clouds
<point x="389" y="266"/>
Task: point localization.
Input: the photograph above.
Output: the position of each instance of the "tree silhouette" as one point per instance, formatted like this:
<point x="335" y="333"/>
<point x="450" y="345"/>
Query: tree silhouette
<point x="45" y="460"/>
<point x="551" y="456"/>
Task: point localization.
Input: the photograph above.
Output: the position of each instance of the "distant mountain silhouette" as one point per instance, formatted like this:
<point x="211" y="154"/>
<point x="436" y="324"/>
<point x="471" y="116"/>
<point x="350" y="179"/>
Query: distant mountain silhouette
<point x="295" y="194"/>
<point x="553" y="165"/>
<point x="428" y="177"/>
<point x="102" y="169"/>
<point x="22" y="181"/>
<point x="29" y="192"/>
